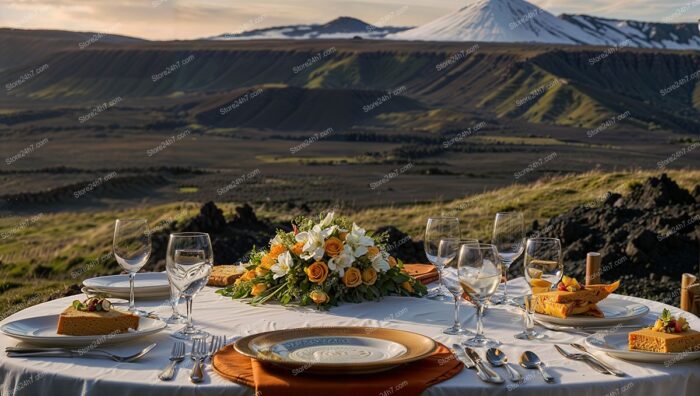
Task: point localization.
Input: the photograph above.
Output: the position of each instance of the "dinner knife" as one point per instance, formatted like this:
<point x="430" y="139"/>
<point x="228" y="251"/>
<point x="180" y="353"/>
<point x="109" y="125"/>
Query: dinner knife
<point x="493" y="376"/>
<point x="468" y="363"/>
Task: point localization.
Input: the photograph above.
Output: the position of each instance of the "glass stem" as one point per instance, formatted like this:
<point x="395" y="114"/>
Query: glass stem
<point x="479" y="319"/>
<point x="440" y="287"/>
<point x="457" y="324"/>
<point x="132" y="305"/>
<point x="505" y="281"/>
<point x="189" y="328"/>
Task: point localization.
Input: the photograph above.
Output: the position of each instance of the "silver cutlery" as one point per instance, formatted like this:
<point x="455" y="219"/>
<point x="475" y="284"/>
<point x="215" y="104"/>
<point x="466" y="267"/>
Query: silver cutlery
<point x="499" y="359"/>
<point x="217" y="342"/>
<point x="530" y="360"/>
<point x="582" y="358"/>
<point x="583" y="330"/>
<point x="608" y="367"/>
<point x="491" y="375"/>
<point x="76" y="353"/>
<point x="468" y="363"/>
<point x="199" y="353"/>
<point x="176" y="356"/>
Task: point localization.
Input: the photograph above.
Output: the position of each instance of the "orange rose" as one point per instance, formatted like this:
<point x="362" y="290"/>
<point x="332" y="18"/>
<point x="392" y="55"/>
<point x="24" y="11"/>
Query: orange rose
<point x="267" y="261"/>
<point x="258" y="289"/>
<point x="333" y="246"/>
<point x="276" y="250"/>
<point x="317" y="272"/>
<point x="261" y="271"/>
<point x="372" y="251"/>
<point x="318" y="296"/>
<point x="249" y="275"/>
<point x="343" y="235"/>
<point x="392" y="262"/>
<point x="369" y="276"/>
<point x="298" y="248"/>
<point x="352" y="277"/>
<point x="407" y="286"/>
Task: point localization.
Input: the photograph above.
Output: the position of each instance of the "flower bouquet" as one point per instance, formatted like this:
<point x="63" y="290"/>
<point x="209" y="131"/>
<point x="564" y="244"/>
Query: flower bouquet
<point x="323" y="263"/>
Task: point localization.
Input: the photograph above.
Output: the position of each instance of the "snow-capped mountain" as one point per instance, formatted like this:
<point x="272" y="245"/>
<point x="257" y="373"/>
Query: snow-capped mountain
<point x="500" y="21"/>
<point x="343" y="27"/>
<point x="638" y="34"/>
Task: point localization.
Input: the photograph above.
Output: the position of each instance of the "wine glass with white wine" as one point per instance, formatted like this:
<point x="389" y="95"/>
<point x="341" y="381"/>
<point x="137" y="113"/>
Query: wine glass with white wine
<point x="189" y="261"/>
<point x="479" y="270"/>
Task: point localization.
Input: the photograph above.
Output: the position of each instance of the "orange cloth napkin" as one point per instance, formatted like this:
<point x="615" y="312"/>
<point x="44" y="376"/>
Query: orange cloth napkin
<point x="410" y="379"/>
<point x="424" y="273"/>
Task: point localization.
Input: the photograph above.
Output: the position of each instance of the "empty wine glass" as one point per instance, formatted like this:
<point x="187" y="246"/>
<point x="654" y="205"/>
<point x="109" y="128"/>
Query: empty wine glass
<point x="508" y="237"/>
<point x="449" y="248"/>
<point x="132" y="248"/>
<point x="436" y="229"/>
<point x="479" y="270"/>
<point x="543" y="262"/>
<point x="529" y="332"/>
<point x="189" y="261"/>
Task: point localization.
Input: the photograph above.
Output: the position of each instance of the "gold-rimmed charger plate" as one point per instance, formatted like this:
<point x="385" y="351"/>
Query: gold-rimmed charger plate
<point x="336" y="350"/>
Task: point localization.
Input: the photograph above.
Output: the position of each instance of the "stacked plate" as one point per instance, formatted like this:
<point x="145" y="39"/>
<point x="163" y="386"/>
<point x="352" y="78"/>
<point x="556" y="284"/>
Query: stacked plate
<point x="146" y="285"/>
<point x="334" y="350"/>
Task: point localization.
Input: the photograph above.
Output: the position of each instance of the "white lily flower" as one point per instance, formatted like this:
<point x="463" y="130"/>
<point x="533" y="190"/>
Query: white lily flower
<point x="342" y="261"/>
<point x="313" y="244"/>
<point x="284" y="263"/>
<point x="358" y="240"/>
<point x="327" y="220"/>
<point x="380" y="262"/>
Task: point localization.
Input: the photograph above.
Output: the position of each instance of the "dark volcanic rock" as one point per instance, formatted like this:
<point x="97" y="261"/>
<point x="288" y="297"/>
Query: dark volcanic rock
<point x="401" y="245"/>
<point x="651" y="233"/>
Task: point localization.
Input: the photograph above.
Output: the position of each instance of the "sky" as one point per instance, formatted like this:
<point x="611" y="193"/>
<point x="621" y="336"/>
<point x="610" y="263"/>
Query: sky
<point x="187" y="19"/>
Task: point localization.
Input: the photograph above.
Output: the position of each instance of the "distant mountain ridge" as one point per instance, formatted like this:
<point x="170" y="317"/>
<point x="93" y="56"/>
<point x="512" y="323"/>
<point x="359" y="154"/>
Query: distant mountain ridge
<point x="342" y="27"/>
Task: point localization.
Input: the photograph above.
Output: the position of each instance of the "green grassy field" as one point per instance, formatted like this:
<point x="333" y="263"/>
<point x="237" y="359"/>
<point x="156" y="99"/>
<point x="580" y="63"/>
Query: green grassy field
<point x="44" y="254"/>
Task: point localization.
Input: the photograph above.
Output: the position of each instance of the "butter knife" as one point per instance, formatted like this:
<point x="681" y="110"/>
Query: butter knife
<point x="492" y="376"/>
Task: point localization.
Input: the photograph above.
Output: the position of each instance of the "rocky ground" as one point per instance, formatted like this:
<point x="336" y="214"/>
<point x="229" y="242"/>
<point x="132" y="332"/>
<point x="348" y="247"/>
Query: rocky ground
<point x="647" y="238"/>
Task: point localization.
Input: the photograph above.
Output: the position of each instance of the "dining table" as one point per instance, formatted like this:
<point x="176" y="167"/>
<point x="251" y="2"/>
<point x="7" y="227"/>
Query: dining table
<point x="220" y="315"/>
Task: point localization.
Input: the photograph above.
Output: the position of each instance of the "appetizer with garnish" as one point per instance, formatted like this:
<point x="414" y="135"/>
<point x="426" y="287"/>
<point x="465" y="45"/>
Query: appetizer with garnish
<point x="570" y="297"/>
<point x="95" y="316"/>
<point x="668" y="334"/>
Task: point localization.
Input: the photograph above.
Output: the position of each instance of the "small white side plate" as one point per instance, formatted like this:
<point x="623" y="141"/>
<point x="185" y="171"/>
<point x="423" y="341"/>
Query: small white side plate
<point x="41" y="330"/>
<point x="147" y="282"/>
<point x="616" y="310"/>
<point x="617" y="345"/>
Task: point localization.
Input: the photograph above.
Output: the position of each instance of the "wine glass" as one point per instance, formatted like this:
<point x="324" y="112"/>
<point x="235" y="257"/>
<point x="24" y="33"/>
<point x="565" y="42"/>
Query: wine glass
<point x="508" y="237"/>
<point x="132" y="248"/>
<point x="479" y="271"/>
<point x="543" y="260"/>
<point x="529" y="332"/>
<point x="189" y="261"/>
<point x="176" y="316"/>
<point x="436" y="229"/>
<point x="448" y="250"/>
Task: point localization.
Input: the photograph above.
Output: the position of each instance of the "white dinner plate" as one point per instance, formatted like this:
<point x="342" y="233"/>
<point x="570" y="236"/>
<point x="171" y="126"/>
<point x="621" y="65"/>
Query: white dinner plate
<point x="137" y="294"/>
<point x="41" y="330"/>
<point x="616" y="310"/>
<point x="617" y="345"/>
<point x="145" y="284"/>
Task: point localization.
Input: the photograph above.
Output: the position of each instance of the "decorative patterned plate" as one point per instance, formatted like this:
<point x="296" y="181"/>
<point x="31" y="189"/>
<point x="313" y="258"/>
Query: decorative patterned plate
<point x="617" y="345"/>
<point x="616" y="310"/>
<point x="336" y="350"/>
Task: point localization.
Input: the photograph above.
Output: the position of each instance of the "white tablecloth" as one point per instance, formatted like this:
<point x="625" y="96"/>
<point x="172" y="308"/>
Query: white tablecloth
<point x="219" y="315"/>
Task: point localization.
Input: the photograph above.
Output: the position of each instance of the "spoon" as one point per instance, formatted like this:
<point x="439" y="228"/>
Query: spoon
<point x="530" y="360"/>
<point x="499" y="359"/>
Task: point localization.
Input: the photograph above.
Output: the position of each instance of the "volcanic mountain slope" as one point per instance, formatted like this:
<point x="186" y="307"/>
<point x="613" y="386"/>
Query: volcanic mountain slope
<point x="343" y="27"/>
<point x="500" y="21"/>
<point x="563" y="85"/>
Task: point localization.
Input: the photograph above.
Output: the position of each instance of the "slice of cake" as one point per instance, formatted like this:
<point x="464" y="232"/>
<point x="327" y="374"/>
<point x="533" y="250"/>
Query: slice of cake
<point x="570" y="298"/>
<point x="667" y="335"/>
<point x="95" y="317"/>
<point x="225" y="275"/>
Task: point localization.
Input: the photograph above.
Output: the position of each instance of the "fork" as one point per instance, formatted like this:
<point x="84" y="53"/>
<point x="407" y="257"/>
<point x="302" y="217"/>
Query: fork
<point x="199" y="353"/>
<point x="217" y="342"/>
<point x="76" y="353"/>
<point x="581" y="357"/>
<point x="176" y="356"/>
<point x="608" y="367"/>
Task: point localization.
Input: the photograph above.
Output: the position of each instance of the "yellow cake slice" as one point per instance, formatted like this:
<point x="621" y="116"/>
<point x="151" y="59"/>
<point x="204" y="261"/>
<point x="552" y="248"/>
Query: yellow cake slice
<point x="76" y="321"/>
<point x="656" y="341"/>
